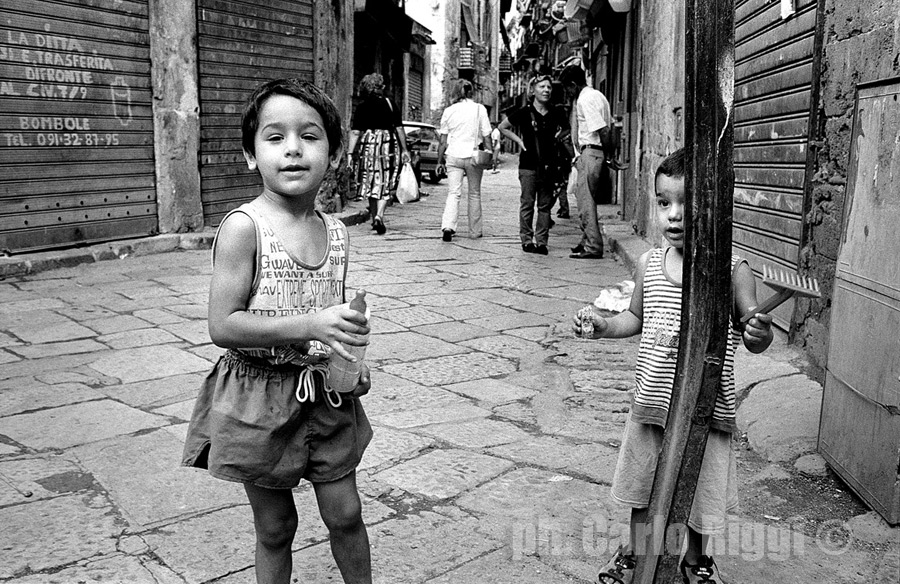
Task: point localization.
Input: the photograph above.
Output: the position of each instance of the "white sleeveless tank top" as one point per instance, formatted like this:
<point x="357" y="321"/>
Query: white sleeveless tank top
<point x="284" y="286"/>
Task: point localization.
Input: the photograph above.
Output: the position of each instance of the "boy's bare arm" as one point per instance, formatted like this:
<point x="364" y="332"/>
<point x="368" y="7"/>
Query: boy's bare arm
<point x="757" y="334"/>
<point x="232" y="326"/>
<point x="625" y="324"/>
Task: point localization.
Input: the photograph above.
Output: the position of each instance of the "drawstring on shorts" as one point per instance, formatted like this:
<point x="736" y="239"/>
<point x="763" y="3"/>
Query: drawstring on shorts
<point x="306" y="385"/>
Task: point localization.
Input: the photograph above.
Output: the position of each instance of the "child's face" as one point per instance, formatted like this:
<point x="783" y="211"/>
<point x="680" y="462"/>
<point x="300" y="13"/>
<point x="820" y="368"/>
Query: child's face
<point x="291" y="147"/>
<point x="670" y="208"/>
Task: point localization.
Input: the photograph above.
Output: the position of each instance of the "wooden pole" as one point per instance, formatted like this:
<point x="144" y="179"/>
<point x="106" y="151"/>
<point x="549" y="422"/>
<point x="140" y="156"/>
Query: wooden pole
<point x="707" y="298"/>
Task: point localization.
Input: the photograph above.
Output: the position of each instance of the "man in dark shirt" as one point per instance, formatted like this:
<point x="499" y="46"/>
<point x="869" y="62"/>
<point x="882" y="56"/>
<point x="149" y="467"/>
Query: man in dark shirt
<point x="537" y="126"/>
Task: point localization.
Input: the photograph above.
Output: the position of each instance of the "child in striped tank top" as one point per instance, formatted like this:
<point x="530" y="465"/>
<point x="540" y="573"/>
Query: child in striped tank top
<point x="655" y="313"/>
<point x="266" y="415"/>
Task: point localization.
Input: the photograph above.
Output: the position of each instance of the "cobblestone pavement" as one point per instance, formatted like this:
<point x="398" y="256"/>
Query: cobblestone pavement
<point x="496" y="431"/>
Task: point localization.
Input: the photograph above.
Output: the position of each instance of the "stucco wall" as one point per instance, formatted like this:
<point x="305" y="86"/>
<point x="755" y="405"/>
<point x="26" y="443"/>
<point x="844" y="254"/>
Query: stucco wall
<point x="861" y="43"/>
<point x="661" y="103"/>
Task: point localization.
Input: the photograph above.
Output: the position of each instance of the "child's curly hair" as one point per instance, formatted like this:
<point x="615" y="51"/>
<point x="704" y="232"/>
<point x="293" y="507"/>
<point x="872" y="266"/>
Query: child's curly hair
<point x="673" y="165"/>
<point x="305" y="92"/>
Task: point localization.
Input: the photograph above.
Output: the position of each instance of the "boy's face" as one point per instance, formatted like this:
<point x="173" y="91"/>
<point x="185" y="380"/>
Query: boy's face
<point x="670" y="209"/>
<point x="291" y="147"/>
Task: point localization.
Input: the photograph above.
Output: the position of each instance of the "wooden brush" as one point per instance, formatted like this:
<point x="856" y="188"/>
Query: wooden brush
<point x="786" y="284"/>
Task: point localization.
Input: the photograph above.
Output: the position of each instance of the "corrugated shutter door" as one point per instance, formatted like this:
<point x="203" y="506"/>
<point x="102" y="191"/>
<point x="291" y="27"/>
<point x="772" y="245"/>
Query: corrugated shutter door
<point x="77" y="125"/>
<point x="773" y="80"/>
<point x="415" y="95"/>
<point x="240" y="46"/>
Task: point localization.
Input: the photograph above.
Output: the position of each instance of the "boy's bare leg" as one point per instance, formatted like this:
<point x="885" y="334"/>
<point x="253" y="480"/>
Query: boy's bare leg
<point x="275" y="519"/>
<point x="640" y="536"/>
<point x="341" y="511"/>
<point x="696" y="546"/>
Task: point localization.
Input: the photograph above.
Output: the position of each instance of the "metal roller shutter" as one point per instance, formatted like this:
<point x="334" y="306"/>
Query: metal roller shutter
<point x="773" y="83"/>
<point x="415" y="96"/>
<point x="76" y="123"/>
<point x="241" y="45"/>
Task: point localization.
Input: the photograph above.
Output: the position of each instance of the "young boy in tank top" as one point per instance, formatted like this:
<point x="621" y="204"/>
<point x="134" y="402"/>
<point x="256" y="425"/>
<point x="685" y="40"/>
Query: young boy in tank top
<point x="655" y="313"/>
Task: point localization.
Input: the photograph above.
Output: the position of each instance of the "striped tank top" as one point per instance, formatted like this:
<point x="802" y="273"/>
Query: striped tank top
<point x="658" y="353"/>
<point x="284" y="286"/>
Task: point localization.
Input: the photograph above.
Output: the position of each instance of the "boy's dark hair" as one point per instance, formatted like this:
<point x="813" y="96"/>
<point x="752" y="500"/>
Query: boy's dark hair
<point x="673" y="165"/>
<point x="573" y="75"/>
<point x="305" y="92"/>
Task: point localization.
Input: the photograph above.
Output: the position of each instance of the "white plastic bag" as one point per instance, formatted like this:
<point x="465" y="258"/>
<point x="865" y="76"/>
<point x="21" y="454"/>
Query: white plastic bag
<point x="407" y="188"/>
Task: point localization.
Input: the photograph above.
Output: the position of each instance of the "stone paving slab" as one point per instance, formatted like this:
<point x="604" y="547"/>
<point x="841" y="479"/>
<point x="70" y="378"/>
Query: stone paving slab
<point x="44" y="350"/>
<point x="453" y="369"/>
<point x="158" y="316"/>
<point x="116" y="324"/>
<point x="509" y="346"/>
<point x="55" y="532"/>
<point x="565" y="521"/>
<point x="212" y="545"/>
<point x="510" y="321"/>
<point x="156" y="392"/>
<point x="418" y="547"/>
<point x="115" y="568"/>
<point x="453" y="332"/>
<point x="412" y="316"/>
<point x="190" y="311"/>
<point x="479" y="433"/>
<point x="409" y="346"/>
<point x="44" y="477"/>
<point x="137" y="338"/>
<point x="389" y="445"/>
<point x="195" y="332"/>
<point x="80" y="423"/>
<point x="794" y="431"/>
<point x="208" y="546"/>
<point x="180" y="411"/>
<point x="20" y="306"/>
<point x="140" y="364"/>
<point x="491" y="391"/>
<point x="144" y="476"/>
<point x="389" y="396"/>
<point x="24" y="399"/>
<point x="38" y="367"/>
<point x="430" y="415"/>
<point x="474" y="310"/>
<point x="595" y="461"/>
<point x="761" y="553"/>
<point x="51" y="332"/>
<point x="209" y="352"/>
<point x="442" y="474"/>
<point x="505" y="570"/>
<point x="367" y="278"/>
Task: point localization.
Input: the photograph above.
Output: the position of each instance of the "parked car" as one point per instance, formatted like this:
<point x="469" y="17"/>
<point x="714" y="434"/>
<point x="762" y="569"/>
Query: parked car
<point x="423" y="140"/>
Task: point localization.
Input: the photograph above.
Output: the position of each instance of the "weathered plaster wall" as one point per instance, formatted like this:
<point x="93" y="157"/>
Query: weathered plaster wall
<point x="660" y="107"/>
<point x="334" y="74"/>
<point x="176" y="115"/>
<point x="861" y="42"/>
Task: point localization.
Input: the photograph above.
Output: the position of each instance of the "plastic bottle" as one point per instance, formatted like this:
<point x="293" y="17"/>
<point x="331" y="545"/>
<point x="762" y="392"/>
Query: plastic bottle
<point x="587" y="322"/>
<point x="343" y="375"/>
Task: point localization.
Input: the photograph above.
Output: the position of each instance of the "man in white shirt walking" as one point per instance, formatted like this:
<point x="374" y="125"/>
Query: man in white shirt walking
<point x="591" y="135"/>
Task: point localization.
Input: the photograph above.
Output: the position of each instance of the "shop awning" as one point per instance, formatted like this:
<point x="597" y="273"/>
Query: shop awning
<point x="579" y="9"/>
<point x="390" y="18"/>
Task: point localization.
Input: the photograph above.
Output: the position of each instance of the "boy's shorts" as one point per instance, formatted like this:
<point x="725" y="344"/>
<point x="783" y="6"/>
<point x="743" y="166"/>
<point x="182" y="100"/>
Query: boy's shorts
<point x="716" y="492"/>
<point x="249" y="427"/>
